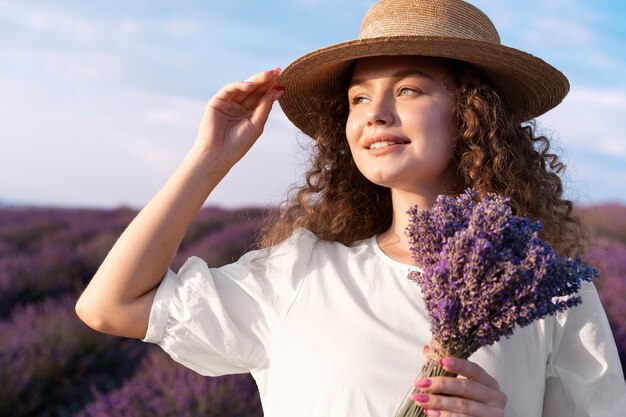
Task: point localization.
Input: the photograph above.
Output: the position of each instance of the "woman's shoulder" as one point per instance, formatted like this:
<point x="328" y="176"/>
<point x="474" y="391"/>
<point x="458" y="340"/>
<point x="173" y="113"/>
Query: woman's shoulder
<point x="303" y="242"/>
<point x="302" y="236"/>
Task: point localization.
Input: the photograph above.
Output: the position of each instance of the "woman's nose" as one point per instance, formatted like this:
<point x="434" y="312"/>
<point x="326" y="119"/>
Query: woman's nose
<point x="379" y="114"/>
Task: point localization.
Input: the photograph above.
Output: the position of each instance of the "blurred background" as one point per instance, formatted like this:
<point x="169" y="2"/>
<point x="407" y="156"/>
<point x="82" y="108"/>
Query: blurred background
<point x="99" y="101"/>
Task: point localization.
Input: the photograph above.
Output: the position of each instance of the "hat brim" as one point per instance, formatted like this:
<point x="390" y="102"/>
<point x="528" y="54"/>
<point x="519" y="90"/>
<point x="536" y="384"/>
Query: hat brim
<point x="529" y="85"/>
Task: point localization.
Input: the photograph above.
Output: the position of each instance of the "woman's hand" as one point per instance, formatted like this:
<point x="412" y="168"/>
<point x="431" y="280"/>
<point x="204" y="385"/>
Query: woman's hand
<point x="235" y="117"/>
<point x="119" y="298"/>
<point x="474" y="393"/>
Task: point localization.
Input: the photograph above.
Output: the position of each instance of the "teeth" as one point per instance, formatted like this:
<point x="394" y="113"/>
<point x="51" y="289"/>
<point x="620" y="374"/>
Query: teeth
<point x="381" y="144"/>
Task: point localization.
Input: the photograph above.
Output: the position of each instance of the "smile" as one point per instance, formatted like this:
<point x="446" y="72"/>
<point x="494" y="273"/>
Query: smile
<point x="384" y="141"/>
<point x="382" y="144"/>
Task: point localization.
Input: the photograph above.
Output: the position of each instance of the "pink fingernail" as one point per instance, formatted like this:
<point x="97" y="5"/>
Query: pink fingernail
<point x="423" y="383"/>
<point x="446" y="362"/>
<point x="420" y="398"/>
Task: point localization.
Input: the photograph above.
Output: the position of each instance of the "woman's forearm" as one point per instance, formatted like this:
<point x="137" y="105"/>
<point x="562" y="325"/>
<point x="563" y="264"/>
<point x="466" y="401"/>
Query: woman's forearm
<point x="118" y="297"/>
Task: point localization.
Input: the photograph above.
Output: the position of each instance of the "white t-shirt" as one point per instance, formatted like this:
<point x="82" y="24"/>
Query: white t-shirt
<point x="332" y="331"/>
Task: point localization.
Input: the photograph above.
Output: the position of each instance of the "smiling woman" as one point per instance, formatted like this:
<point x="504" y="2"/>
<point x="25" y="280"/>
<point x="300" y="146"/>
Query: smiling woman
<point x="427" y="102"/>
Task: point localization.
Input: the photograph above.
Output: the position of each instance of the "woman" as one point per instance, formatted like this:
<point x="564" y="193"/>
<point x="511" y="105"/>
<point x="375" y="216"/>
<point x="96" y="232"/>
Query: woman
<point x="426" y="102"/>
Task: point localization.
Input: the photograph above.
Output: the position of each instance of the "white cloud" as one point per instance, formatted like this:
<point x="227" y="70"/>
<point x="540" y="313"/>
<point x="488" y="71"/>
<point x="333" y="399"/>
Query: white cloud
<point x="611" y="100"/>
<point x="591" y="118"/>
<point x="555" y="29"/>
<point x="174" y="111"/>
<point x="129" y="26"/>
<point x="180" y="27"/>
<point x="589" y="126"/>
<point x="147" y="26"/>
<point x="58" y="22"/>
<point x="613" y="146"/>
<point x="149" y="153"/>
<point x="86" y="66"/>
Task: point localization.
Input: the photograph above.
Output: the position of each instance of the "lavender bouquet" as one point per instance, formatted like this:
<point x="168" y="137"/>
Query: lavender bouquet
<point x="484" y="272"/>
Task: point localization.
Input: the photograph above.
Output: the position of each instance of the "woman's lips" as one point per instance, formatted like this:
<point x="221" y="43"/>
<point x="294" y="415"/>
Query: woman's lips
<point x="382" y="144"/>
<point x="379" y="141"/>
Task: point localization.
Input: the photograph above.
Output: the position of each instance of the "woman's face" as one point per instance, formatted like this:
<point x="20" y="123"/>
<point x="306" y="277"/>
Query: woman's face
<point x="401" y="124"/>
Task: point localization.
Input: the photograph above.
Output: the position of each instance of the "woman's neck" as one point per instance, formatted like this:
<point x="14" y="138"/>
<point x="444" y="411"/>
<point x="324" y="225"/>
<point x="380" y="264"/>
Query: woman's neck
<point x="394" y="241"/>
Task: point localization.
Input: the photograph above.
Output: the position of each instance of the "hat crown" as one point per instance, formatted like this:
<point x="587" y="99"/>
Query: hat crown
<point x="441" y="18"/>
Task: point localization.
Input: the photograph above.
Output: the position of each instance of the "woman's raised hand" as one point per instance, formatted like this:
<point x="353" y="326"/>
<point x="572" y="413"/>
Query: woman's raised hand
<point x="235" y="117"/>
<point x="475" y="393"/>
<point x="118" y="299"/>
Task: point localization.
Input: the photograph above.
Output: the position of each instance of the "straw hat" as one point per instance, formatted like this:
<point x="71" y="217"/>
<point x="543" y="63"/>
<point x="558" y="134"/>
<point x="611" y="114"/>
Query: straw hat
<point x="437" y="28"/>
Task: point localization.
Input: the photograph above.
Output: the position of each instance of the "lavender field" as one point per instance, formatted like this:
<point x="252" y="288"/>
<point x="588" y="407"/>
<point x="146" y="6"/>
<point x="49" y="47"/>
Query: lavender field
<point x="53" y="365"/>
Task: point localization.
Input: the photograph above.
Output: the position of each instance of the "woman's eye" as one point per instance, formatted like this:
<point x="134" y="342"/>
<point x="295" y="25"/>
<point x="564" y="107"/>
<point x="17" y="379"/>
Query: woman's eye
<point x="358" y="100"/>
<point x="406" y="91"/>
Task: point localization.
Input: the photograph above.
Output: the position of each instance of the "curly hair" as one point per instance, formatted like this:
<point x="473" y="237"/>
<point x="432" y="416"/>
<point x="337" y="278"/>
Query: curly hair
<point x="492" y="153"/>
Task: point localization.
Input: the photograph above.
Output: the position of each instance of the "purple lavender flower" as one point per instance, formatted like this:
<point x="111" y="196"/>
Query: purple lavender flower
<point x="484" y="272"/>
<point x="162" y="387"/>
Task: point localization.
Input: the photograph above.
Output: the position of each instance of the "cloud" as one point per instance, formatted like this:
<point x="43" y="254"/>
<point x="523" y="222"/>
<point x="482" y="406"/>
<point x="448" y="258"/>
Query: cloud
<point x="555" y="29"/>
<point x="61" y="23"/>
<point x="181" y="27"/>
<point x="172" y="27"/>
<point x="85" y="66"/>
<point x="58" y="22"/>
<point x="591" y="118"/>
<point x="613" y="146"/>
<point x="588" y="126"/>
<point x="173" y="111"/>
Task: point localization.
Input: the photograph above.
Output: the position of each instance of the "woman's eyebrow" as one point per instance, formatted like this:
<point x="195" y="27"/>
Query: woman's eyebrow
<point x="398" y="74"/>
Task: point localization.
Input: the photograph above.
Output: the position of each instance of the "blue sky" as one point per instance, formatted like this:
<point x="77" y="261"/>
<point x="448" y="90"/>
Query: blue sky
<point x="101" y="100"/>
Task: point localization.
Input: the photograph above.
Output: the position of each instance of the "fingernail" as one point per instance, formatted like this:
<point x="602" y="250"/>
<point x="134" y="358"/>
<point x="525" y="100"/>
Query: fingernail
<point x="423" y="383"/>
<point x="433" y="413"/>
<point x="420" y="398"/>
<point x="446" y="362"/>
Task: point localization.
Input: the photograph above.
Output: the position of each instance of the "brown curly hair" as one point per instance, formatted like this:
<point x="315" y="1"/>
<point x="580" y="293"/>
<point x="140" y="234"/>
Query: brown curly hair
<point x="492" y="153"/>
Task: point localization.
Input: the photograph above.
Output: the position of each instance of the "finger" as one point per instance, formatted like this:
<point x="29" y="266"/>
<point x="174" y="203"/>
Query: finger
<point x="437" y="413"/>
<point x="425" y="352"/>
<point x="229" y="91"/>
<point x="252" y="90"/>
<point x="255" y="86"/>
<point x="262" y="110"/>
<point x="264" y="84"/>
<point x="469" y="370"/>
<point x="265" y="76"/>
<point x="453" y="406"/>
<point x="458" y="387"/>
<point x="246" y="89"/>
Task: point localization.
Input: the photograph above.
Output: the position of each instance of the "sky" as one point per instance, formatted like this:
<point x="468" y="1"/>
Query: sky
<point x="100" y="100"/>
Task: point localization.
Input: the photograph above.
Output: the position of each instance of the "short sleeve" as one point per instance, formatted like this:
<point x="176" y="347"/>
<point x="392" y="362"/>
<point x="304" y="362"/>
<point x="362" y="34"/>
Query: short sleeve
<point x="220" y="321"/>
<point x="584" y="375"/>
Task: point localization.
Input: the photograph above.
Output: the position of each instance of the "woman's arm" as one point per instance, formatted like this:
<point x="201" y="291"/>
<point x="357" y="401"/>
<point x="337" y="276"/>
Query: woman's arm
<point x="119" y="297"/>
